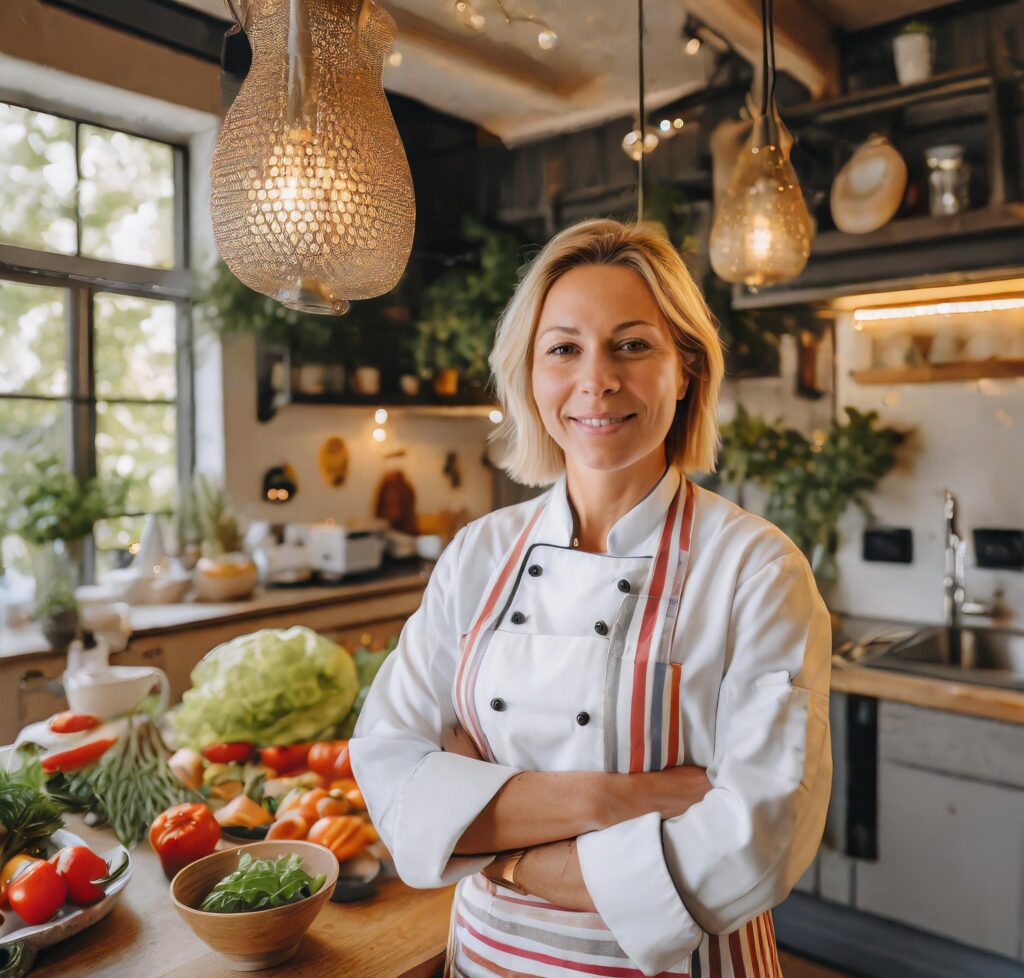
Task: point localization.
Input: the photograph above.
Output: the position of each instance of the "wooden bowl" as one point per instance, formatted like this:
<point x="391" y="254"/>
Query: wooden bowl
<point x="261" y="938"/>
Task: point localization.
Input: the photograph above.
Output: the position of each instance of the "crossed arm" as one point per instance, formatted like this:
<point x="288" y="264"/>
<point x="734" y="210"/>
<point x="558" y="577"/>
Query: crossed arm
<point x="544" y="813"/>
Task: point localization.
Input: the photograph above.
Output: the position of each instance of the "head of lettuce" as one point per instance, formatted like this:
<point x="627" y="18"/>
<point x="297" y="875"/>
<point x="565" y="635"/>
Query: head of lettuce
<point x="275" y="686"/>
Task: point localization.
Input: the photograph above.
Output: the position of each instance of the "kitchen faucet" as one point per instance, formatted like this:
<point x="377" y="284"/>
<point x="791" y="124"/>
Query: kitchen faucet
<point x="954" y="600"/>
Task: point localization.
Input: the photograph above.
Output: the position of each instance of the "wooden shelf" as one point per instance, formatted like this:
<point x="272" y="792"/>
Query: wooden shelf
<point x="940" y="372"/>
<point x="456" y="407"/>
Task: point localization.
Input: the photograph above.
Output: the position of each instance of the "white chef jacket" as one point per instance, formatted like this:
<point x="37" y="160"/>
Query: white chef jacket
<point x="754" y="642"/>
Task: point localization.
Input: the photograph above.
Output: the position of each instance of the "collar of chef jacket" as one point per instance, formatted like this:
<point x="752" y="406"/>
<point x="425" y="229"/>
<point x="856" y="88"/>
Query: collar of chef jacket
<point x="635" y="533"/>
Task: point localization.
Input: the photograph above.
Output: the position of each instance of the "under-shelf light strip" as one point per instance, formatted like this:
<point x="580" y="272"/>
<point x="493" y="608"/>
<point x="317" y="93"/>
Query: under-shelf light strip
<point x="881" y="314"/>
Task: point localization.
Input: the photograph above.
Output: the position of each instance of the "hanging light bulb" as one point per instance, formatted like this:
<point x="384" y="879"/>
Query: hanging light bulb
<point x="631" y="142"/>
<point x="311" y="198"/>
<point x="547" y="39"/>
<point x="762" y="231"/>
<point x="467" y="15"/>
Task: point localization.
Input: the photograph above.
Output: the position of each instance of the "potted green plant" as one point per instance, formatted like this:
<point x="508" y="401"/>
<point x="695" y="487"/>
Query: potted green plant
<point x="460" y="311"/>
<point x="913" y="51"/>
<point x="224" y="572"/>
<point x="810" y="481"/>
<point x="51" y="510"/>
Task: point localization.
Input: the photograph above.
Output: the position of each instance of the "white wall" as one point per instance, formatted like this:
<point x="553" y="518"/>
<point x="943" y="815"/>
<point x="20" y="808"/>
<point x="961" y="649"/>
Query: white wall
<point x="968" y="437"/>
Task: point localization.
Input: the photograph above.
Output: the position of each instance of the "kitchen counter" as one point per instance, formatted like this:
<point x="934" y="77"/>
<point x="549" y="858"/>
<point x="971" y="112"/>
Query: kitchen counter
<point x="973" y="699"/>
<point x="399" y="933"/>
<point x="27" y="641"/>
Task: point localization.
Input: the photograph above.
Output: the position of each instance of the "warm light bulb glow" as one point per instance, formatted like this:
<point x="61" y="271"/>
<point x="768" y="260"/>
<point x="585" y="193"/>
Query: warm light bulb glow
<point x="380" y="415"/>
<point x="379" y="434"/>
<point x="395" y="59"/>
<point x="762" y="231"/>
<point x="631" y="142"/>
<point x="956" y="308"/>
<point x="496" y="416"/>
<point x="547" y="39"/>
<point x="693" y="46"/>
<point x="311" y="196"/>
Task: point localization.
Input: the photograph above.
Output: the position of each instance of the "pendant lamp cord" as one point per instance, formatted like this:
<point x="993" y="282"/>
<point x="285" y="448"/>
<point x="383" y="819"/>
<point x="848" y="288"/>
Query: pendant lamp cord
<point x="767" y="55"/>
<point x="642" y="114"/>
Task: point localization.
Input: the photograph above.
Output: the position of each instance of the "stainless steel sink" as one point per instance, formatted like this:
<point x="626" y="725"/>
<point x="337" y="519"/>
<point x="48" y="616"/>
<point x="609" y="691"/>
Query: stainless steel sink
<point x="988" y="657"/>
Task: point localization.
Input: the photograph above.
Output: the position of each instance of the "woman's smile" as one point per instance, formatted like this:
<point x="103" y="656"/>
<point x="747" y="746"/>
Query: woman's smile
<point x="601" y="425"/>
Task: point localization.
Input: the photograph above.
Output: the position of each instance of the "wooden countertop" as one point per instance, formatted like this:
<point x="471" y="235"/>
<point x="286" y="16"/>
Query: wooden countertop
<point x="27" y="641"/>
<point x="399" y="933"/>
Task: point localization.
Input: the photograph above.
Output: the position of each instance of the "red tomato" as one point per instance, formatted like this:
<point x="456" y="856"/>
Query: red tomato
<point x="283" y="759"/>
<point x="183" y="834"/>
<point x="37" y="894"/>
<point x="11" y="868"/>
<point x="236" y="753"/>
<point x="81" y="756"/>
<point x="78" y="866"/>
<point x="322" y="756"/>
<point x="342" y="765"/>
<point x="73" y="722"/>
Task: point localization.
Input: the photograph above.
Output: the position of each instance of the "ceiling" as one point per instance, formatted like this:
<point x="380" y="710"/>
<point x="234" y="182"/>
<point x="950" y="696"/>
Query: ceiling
<point x="500" y="79"/>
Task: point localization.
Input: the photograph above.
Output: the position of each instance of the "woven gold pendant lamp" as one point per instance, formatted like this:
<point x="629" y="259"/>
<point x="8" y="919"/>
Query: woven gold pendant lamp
<point x="311" y="198"/>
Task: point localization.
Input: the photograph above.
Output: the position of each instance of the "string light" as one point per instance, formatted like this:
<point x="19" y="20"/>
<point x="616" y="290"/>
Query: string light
<point x="496" y="416"/>
<point x="631" y="142"/>
<point x="395" y="59"/>
<point x="380" y="416"/>
<point x="379" y="434"/>
<point x="467" y="15"/>
<point x="693" y="46"/>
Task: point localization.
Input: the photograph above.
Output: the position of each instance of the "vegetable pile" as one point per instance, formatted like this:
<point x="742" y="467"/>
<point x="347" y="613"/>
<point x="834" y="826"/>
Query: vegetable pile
<point x="122" y="782"/>
<point x="273" y="687"/>
<point x="259" y="884"/>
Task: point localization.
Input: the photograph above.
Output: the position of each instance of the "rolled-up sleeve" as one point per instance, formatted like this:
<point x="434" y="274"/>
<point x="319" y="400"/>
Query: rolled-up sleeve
<point x="659" y="884"/>
<point x="422" y="799"/>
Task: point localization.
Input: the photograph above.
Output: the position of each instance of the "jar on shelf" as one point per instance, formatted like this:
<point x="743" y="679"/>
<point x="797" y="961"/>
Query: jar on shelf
<point x="948" y="180"/>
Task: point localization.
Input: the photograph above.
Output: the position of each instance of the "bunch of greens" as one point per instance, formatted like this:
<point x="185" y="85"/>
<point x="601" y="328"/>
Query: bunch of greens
<point x="128" y="787"/>
<point x="41" y="501"/>
<point x="461" y="307"/>
<point x="810" y="482"/>
<point x="259" y="884"/>
<point x="272" y="687"/>
<point x="28" y="815"/>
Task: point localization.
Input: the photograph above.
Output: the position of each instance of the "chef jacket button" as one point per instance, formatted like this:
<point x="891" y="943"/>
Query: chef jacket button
<point x="497" y="704"/>
<point x="600" y="627"/>
<point x="623" y="586"/>
<point x="518" y="617"/>
<point x="583" y="718"/>
<point x="534" y="570"/>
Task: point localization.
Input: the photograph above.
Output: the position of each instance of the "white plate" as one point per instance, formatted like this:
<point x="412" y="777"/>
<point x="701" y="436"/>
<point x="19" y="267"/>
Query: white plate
<point x="70" y="919"/>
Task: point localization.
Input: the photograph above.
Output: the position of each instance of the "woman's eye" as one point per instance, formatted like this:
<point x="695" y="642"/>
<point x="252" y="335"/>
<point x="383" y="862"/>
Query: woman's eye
<point x="561" y="349"/>
<point x="635" y="346"/>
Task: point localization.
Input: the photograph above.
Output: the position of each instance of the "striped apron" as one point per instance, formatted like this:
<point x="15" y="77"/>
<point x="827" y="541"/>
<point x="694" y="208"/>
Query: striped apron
<point x="497" y="932"/>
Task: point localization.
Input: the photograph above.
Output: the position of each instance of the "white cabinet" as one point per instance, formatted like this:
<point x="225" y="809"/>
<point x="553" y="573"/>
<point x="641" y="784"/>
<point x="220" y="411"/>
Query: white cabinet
<point x="950" y="857"/>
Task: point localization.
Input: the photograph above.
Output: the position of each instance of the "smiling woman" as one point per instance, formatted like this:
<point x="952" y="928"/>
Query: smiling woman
<point x="609" y="718"/>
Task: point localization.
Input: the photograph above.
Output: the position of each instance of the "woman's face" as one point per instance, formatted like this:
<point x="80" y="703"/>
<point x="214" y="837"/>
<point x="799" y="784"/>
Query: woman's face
<point x="606" y="374"/>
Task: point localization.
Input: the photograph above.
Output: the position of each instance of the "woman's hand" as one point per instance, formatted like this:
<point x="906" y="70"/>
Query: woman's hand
<point x="670" y="793"/>
<point x="455" y="740"/>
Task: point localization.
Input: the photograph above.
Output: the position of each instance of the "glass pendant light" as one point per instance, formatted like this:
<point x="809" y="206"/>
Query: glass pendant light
<point x="312" y="200"/>
<point x="762" y="231"/>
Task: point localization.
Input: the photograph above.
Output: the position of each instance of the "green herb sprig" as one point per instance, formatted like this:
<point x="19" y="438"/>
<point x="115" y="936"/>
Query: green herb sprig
<point x="28" y="815"/>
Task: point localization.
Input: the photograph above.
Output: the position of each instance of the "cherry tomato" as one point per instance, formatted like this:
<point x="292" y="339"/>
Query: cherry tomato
<point x="342" y="765"/>
<point x="322" y="756"/>
<point x="283" y="759"/>
<point x="236" y="753"/>
<point x="79" y="866"/>
<point x="81" y="756"/>
<point x="11" y="868"/>
<point x="37" y="893"/>
<point x="183" y="834"/>
<point x="69" y="722"/>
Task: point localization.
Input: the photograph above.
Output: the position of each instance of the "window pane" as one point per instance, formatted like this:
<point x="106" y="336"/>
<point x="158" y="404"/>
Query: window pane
<point x="33" y="340"/>
<point x="126" y="198"/>
<point x="135" y="345"/>
<point x="137" y="441"/>
<point x="37" y="180"/>
<point x="114" y="540"/>
<point x="37" y="425"/>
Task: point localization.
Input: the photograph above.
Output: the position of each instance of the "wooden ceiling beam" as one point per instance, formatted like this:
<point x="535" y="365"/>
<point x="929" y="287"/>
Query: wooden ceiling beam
<point x="805" y="45"/>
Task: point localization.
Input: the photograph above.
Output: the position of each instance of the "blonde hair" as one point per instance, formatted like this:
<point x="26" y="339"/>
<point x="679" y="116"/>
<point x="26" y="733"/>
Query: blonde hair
<point x="535" y="458"/>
